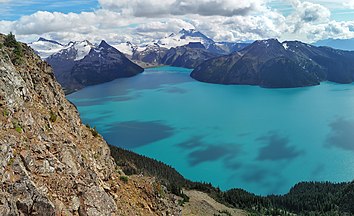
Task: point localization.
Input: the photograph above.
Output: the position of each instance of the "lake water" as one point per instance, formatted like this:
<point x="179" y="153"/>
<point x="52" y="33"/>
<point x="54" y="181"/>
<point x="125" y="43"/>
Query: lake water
<point x="261" y="140"/>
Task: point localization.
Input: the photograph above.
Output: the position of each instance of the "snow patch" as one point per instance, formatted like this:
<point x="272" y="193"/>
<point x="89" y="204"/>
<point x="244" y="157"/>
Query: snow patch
<point x="126" y="48"/>
<point x="45" y="48"/>
<point x="266" y="43"/>
<point x="285" y="45"/>
<point x="82" y="49"/>
<point x="184" y="37"/>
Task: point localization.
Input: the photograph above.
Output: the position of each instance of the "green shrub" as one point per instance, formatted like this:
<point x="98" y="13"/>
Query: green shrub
<point x="5" y="113"/>
<point x="18" y="128"/>
<point x="94" y="132"/>
<point x="11" y="161"/>
<point x="18" y="55"/>
<point x="53" y="116"/>
<point x="10" y="41"/>
<point x="124" y="179"/>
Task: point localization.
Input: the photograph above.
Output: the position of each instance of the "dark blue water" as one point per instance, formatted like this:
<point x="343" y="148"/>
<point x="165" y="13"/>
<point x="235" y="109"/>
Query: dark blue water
<point x="261" y="140"/>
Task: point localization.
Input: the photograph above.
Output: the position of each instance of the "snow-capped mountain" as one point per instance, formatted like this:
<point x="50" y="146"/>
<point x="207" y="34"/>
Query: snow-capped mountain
<point x="185" y="37"/>
<point x="151" y="54"/>
<point x="75" y="50"/>
<point x="44" y="47"/>
<point x="187" y="48"/>
<point x="104" y="63"/>
<point x="81" y="64"/>
<point x="127" y="48"/>
<point x="155" y="53"/>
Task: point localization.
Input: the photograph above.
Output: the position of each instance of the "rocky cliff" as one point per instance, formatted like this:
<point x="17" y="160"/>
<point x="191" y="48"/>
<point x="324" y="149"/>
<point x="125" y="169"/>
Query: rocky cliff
<point x="50" y="163"/>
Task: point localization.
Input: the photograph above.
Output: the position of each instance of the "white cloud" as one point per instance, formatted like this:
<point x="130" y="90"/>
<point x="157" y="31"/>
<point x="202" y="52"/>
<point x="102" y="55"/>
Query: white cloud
<point x="310" y="12"/>
<point x="158" y="8"/>
<point x="6" y="26"/>
<point x="307" y="18"/>
<point x="139" y="8"/>
<point x="171" y="25"/>
<point x="349" y="4"/>
<point x="143" y="21"/>
<point x="216" y="7"/>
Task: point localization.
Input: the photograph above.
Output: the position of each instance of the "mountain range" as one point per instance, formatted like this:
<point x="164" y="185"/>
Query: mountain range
<point x="188" y="56"/>
<point x="269" y="63"/>
<point x="81" y="63"/>
<point x="187" y="49"/>
<point x="343" y="44"/>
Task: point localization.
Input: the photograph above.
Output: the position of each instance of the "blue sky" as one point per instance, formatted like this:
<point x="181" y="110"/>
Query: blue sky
<point x="13" y="10"/>
<point x="142" y="21"/>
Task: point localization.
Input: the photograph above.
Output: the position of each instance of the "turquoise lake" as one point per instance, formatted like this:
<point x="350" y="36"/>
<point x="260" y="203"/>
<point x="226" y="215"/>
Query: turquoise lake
<point x="260" y="140"/>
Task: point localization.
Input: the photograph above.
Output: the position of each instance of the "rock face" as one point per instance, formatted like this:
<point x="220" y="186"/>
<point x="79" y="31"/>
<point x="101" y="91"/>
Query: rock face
<point x="188" y="56"/>
<point x="50" y="163"/>
<point x="202" y="204"/>
<point x="82" y="64"/>
<point x="272" y="64"/>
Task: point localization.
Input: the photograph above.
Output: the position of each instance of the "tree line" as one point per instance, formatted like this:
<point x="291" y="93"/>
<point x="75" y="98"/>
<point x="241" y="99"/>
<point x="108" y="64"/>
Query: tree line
<point x="305" y="198"/>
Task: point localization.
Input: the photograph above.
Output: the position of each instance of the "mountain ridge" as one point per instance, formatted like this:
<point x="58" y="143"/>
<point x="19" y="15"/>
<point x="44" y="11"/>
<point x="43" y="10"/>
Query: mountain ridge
<point x="152" y="54"/>
<point x="342" y="44"/>
<point x="269" y="63"/>
<point x="81" y="64"/>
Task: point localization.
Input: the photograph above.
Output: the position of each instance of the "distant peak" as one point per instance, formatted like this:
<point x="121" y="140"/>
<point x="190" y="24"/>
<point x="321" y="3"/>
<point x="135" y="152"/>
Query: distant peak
<point x="267" y="41"/>
<point x="47" y="40"/>
<point x="104" y="44"/>
<point x="189" y="31"/>
<point x="75" y="43"/>
<point x="42" y="39"/>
